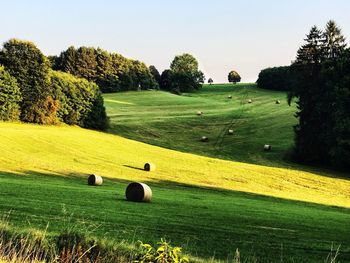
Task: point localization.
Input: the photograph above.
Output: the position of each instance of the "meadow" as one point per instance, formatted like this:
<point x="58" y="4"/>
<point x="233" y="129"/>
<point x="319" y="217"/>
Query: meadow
<point x="256" y="201"/>
<point x="170" y="121"/>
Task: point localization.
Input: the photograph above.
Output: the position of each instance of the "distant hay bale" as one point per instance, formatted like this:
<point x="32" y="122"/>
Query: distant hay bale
<point x="230" y="131"/>
<point x="229" y="96"/>
<point x="204" y="139"/>
<point x="149" y="167"/>
<point x="199" y="113"/>
<point x="95" y="180"/>
<point x="278" y="102"/>
<point x="250" y="101"/>
<point x="267" y="147"/>
<point x="138" y="192"/>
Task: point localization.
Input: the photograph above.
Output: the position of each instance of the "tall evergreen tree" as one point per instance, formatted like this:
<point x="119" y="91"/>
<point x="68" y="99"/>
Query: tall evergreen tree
<point x="312" y="52"/>
<point x="334" y="41"/>
<point x="308" y="91"/>
<point x="321" y="87"/>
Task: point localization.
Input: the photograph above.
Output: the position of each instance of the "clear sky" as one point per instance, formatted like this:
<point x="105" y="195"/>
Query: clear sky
<point x="245" y="35"/>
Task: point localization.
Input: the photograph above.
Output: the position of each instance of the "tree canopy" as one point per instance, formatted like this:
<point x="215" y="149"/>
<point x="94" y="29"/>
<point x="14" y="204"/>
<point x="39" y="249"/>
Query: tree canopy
<point x="24" y="61"/>
<point x="10" y="97"/>
<point x="322" y="91"/>
<point x="234" y="77"/>
<point x="183" y="76"/>
<point x="110" y="71"/>
<point x="31" y="90"/>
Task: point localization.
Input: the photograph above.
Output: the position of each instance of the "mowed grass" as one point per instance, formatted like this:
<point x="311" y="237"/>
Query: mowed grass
<point x="170" y="121"/>
<point x="208" y="206"/>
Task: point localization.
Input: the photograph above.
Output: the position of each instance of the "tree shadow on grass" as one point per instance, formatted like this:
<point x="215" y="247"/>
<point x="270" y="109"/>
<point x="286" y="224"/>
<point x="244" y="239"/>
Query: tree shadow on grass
<point x="224" y="217"/>
<point x="80" y="179"/>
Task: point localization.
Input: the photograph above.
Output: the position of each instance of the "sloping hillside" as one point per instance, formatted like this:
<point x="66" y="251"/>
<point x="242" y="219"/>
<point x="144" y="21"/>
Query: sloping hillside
<point x="168" y="120"/>
<point x="66" y="150"/>
<point x="207" y="206"/>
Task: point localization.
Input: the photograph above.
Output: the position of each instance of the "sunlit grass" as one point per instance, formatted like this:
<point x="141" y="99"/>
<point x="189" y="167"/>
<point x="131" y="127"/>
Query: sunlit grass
<point x="71" y="150"/>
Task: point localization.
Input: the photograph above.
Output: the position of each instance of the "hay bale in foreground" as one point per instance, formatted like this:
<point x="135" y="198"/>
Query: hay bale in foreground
<point x="229" y="96"/>
<point x="95" y="180"/>
<point x="199" y="113"/>
<point x="267" y="147"/>
<point x="138" y="192"/>
<point x="230" y="132"/>
<point x="278" y="102"/>
<point x="149" y="167"/>
<point x="204" y="139"/>
<point x="250" y="101"/>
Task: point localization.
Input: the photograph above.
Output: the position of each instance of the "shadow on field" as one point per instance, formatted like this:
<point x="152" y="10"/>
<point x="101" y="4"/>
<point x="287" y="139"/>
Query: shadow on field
<point x="205" y="221"/>
<point x="80" y="180"/>
<point x="133" y="167"/>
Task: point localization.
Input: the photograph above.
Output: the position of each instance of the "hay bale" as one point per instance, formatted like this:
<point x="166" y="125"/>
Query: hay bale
<point x="278" y="102"/>
<point x="250" y="101"/>
<point x="204" y="139"/>
<point x="149" y="167"/>
<point x="138" y="192"/>
<point x="230" y="132"/>
<point x="267" y="147"/>
<point x="229" y="96"/>
<point x="199" y="113"/>
<point x="95" y="180"/>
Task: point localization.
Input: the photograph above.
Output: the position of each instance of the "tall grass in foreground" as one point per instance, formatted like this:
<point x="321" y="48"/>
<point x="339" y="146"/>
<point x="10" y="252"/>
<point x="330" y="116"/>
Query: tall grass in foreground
<point x="35" y="246"/>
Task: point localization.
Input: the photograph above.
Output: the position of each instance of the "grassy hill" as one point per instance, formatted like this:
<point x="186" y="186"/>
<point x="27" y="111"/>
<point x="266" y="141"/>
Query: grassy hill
<point x="170" y="121"/>
<point x="208" y="206"/>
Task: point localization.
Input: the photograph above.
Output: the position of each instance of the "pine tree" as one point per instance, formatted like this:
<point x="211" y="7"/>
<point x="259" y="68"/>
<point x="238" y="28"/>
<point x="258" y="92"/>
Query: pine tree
<point x="312" y="52"/>
<point x="321" y="88"/>
<point x="334" y="41"/>
<point x="307" y="90"/>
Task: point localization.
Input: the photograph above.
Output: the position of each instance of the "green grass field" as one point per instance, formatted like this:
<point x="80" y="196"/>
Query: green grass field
<point x="170" y="121"/>
<point x="266" y="207"/>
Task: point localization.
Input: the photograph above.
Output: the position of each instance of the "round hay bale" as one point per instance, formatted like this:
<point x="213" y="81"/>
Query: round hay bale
<point x="149" y="167"/>
<point x="278" y="102"/>
<point x="267" y="147"/>
<point x="230" y="132"/>
<point x="138" y="192"/>
<point x="250" y="101"/>
<point x="229" y="96"/>
<point x="199" y="113"/>
<point x="204" y="139"/>
<point x="95" y="180"/>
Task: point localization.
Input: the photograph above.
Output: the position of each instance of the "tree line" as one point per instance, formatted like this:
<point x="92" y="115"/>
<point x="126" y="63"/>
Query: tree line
<point x="319" y="81"/>
<point x="30" y="91"/>
<point x="112" y="72"/>
<point x="67" y="88"/>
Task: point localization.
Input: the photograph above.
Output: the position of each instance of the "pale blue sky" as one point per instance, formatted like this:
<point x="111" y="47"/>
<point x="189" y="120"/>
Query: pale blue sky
<point x="222" y="34"/>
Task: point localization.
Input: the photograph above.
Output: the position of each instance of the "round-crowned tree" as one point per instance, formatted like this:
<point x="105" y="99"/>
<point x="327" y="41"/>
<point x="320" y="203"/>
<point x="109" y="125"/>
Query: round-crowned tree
<point x="10" y="97"/>
<point x="234" y="77"/>
<point x="185" y="75"/>
<point x="24" y="61"/>
<point x="210" y="81"/>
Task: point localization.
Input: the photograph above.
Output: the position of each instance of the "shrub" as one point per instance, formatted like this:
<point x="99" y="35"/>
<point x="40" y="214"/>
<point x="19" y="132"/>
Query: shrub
<point x="164" y="253"/>
<point x="10" y="97"/>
